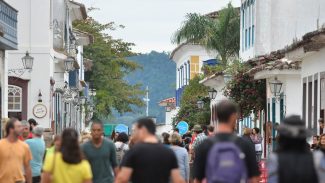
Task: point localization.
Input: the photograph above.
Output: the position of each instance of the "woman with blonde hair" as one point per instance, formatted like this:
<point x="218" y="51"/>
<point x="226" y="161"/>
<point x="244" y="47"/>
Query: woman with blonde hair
<point x="247" y="135"/>
<point x="181" y="154"/>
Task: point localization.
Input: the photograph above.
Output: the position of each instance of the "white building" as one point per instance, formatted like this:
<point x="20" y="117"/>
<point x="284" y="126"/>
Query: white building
<point x="8" y="41"/>
<point x="47" y="34"/>
<point x="217" y="82"/>
<point x="189" y="59"/>
<point x="170" y="105"/>
<point x="283" y="40"/>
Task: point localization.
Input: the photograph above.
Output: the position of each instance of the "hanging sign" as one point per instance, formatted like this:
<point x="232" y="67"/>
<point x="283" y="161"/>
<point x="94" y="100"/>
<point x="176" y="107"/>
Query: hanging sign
<point x="39" y="110"/>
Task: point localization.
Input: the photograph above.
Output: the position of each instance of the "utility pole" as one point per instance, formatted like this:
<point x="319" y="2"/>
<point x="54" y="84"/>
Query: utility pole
<point x="147" y="101"/>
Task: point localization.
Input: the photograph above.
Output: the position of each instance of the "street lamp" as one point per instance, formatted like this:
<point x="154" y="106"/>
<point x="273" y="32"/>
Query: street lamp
<point x="28" y="61"/>
<point x="82" y="100"/>
<point x="68" y="64"/>
<point x="40" y="96"/>
<point x="92" y="92"/>
<point x="200" y="104"/>
<point x="212" y="93"/>
<point x="275" y="86"/>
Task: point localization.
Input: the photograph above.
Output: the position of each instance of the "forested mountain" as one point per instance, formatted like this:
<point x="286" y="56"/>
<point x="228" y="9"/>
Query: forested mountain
<point x="159" y="74"/>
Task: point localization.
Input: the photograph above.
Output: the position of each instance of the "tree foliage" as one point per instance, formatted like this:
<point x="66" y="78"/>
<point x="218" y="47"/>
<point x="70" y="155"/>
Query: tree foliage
<point x="221" y="34"/>
<point x="189" y="111"/>
<point x="248" y="93"/>
<point x="110" y="66"/>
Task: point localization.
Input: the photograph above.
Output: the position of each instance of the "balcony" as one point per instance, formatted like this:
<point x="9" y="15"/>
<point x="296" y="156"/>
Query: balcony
<point x="8" y="27"/>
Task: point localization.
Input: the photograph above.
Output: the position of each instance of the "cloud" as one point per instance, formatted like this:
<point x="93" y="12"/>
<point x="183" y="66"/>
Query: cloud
<point x="150" y="23"/>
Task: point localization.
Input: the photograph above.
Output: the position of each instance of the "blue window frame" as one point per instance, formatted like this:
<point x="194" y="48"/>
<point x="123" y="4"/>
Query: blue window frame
<point x="246" y="39"/>
<point x="185" y="75"/>
<point x="249" y="37"/>
<point x="253" y="35"/>
<point x="179" y="78"/>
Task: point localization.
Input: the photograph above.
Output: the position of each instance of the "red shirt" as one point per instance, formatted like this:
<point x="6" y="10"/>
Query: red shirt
<point x="30" y="136"/>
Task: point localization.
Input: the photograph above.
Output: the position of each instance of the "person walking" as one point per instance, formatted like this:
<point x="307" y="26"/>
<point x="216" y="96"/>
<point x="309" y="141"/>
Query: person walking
<point x="55" y="145"/>
<point x="148" y="161"/>
<point x="67" y="165"/>
<point x="321" y="143"/>
<point x="101" y="154"/>
<point x="121" y="146"/>
<point x="32" y="123"/>
<point x="199" y="138"/>
<point x="319" y="159"/>
<point x="247" y="135"/>
<point x="210" y="131"/>
<point x="257" y="140"/>
<point x="225" y="157"/>
<point x="15" y="155"/>
<point x="292" y="154"/>
<point x="37" y="147"/>
<point x="316" y="143"/>
<point x="165" y="138"/>
<point x="181" y="155"/>
<point x="26" y="134"/>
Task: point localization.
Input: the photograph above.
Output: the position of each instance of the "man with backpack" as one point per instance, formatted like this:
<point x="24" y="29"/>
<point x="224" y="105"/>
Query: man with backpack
<point x="225" y="157"/>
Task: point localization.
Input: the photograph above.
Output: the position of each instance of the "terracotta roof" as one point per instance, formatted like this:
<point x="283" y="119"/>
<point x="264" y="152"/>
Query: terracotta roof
<point x="212" y="76"/>
<point x="167" y="101"/>
<point x="280" y="64"/>
<point x="85" y="34"/>
<point x="312" y="41"/>
<point x="213" y="15"/>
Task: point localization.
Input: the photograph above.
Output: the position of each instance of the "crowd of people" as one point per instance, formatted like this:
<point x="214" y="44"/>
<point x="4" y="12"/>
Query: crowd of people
<point x="203" y="155"/>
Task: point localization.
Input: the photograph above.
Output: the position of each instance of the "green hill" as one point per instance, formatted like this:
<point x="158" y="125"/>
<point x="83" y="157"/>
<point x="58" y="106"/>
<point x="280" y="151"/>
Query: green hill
<point x="159" y="74"/>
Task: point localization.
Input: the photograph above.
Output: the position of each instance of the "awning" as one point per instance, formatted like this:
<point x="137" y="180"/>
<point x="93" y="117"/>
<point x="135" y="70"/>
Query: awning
<point x="77" y="11"/>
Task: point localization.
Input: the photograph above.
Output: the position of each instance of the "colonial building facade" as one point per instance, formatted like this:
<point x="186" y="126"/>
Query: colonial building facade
<point x="50" y="91"/>
<point x="8" y="41"/>
<point x="283" y="41"/>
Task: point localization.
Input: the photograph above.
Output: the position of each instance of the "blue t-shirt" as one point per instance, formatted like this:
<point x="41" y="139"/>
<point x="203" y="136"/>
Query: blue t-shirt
<point x="37" y="147"/>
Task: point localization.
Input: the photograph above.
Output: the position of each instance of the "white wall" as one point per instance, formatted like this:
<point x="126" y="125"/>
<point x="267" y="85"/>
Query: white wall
<point x="184" y="54"/>
<point x="34" y="35"/>
<point x="313" y="63"/>
<point x="293" y="92"/>
<point x="279" y="22"/>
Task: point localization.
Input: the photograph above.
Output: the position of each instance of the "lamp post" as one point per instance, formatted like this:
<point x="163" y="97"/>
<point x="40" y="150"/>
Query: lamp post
<point x="212" y="93"/>
<point x="200" y="104"/>
<point x="28" y="61"/>
<point x="275" y="87"/>
<point x="40" y="96"/>
<point x="68" y="64"/>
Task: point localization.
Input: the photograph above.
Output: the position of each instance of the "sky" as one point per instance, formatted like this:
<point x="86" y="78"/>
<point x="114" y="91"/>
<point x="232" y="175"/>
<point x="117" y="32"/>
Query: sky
<point x="150" y="24"/>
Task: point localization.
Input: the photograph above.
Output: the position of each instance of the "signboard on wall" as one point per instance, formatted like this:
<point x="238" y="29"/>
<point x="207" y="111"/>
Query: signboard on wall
<point x="182" y="127"/>
<point x="122" y="128"/>
<point x="39" y="111"/>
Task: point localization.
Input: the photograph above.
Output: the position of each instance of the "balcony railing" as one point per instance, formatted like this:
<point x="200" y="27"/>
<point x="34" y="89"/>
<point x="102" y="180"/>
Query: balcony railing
<point x="8" y="26"/>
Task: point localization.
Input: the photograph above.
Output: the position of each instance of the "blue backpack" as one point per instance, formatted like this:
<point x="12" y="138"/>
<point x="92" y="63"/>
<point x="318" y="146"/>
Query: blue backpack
<point x="226" y="163"/>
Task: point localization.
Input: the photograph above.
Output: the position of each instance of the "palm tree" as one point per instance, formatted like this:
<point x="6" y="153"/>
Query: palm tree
<point x="221" y="34"/>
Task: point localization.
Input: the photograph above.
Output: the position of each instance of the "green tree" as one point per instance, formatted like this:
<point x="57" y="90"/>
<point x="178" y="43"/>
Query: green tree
<point x="221" y="34"/>
<point x="189" y="111"/>
<point x="110" y="66"/>
<point x="249" y="94"/>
